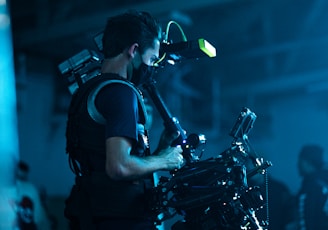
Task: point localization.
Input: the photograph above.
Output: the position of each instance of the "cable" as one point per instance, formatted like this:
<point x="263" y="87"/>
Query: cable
<point x="184" y="38"/>
<point x="267" y="198"/>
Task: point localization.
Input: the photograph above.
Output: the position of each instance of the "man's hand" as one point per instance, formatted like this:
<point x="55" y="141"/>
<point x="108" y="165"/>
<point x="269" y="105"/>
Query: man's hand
<point x="172" y="156"/>
<point x="166" y="139"/>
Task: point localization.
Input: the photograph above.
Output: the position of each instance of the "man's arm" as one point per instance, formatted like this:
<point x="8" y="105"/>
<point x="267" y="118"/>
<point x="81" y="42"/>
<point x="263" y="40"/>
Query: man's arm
<point x="121" y="165"/>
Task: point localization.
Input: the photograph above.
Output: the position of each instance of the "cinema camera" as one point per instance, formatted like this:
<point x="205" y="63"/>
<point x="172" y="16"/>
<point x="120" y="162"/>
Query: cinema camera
<point x="86" y="64"/>
<point x="214" y="193"/>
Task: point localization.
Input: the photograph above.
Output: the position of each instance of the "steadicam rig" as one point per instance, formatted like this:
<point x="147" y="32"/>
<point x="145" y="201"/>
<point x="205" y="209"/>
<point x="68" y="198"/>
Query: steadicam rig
<point x="188" y="143"/>
<point x="80" y="68"/>
<point x="86" y="64"/>
<point x="213" y="193"/>
<point x="208" y="194"/>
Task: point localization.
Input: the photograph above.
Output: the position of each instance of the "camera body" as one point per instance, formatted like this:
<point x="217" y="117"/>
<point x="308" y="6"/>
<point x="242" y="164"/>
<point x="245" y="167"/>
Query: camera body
<point x="214" y="193"/>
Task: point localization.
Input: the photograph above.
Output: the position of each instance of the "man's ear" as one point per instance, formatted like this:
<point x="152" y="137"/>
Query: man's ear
<point x="133" y="50"/>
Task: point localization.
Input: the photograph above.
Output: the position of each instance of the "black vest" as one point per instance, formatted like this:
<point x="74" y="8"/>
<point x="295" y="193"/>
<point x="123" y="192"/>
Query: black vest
<point x="85" y="135"/>
<point x="85" y="130"/>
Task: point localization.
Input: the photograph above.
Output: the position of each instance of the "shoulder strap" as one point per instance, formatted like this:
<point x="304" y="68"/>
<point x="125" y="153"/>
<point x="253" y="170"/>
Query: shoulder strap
<point x="82" y="92"/>
<point x="92" y="109"/>
<point x="89" y="91"/>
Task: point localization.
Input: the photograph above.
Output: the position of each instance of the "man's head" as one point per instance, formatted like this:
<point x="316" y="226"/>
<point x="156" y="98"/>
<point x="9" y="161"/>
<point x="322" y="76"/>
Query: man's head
<point x="310" y="159"/>
<point x="124" y="30"/>
<point x="22" y="171"/>
<point x="131" y="43"/>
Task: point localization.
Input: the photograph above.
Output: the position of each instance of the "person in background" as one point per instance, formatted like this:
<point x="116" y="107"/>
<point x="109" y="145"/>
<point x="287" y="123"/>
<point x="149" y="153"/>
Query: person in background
<point x="31" y="214"/>
<point x="277" y="212"/>
<point x="312" y="198"/>
<point x="106" y="132"/>
<point x="22" y="171"/>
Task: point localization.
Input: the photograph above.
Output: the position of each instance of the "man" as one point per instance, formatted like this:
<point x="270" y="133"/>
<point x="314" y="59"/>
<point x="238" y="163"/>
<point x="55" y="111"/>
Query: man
<point x="313" y="195"/>
<point x="31" y="213"/>
<point x="106" y="137"/>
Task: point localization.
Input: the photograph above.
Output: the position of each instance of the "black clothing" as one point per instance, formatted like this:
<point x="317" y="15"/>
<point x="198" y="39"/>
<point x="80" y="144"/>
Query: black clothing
<point x="118" y="121"/>
<point x="117" y="223"/>
<point x="278" y="210"/>
<point x="313" y="202"/>
<point x="25" y="214"/>
<point x="105" y="106"/>
<point x="125" y="120"/>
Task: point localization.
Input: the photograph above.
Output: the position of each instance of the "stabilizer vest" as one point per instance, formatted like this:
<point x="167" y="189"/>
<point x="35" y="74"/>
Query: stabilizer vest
<point x="85" y="129"/>
<point x="94" y="193"/>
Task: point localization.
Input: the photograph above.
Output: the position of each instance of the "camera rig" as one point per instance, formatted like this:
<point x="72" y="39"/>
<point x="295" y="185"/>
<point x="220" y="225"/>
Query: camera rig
<point x="209" y="194"/>
<point x="212" y="193"/>
<point x="80" y="68"/>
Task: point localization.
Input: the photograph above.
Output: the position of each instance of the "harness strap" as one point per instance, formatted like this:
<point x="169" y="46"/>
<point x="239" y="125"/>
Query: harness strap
<point x="92" y="110"/>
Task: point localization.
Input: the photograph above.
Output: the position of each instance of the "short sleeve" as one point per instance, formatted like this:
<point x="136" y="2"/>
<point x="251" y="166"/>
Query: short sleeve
<point x="118" y="104"/>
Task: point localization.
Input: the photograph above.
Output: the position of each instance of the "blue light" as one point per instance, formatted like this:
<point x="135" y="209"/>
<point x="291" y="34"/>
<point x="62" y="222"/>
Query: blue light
<point x="8" y="122"/>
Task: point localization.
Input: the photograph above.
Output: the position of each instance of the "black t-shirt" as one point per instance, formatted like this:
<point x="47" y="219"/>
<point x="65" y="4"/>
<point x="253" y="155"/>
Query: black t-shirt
<point x="118" y="104"/>
<point x="313" y="201"/>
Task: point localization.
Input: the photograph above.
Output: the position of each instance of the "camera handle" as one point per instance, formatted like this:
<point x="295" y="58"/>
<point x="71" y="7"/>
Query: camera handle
<point x="172" y="124"/>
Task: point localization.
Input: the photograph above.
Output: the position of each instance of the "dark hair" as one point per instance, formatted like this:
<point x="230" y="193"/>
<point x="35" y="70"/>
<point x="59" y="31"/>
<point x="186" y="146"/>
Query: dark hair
<point x="123" y="30"/>
<point x="313" y="154"/>
<point x="23" y="166"/>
